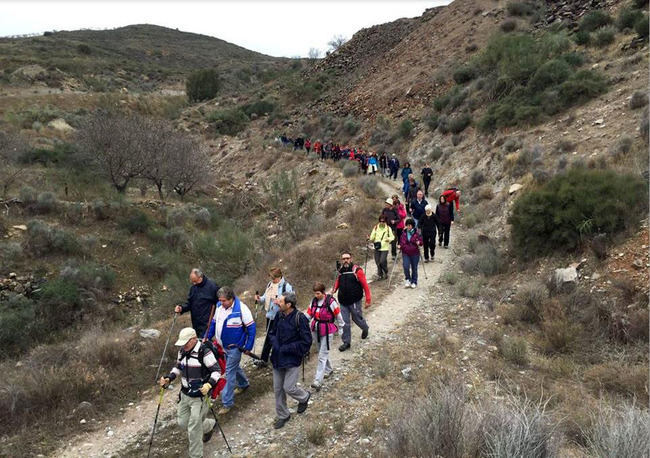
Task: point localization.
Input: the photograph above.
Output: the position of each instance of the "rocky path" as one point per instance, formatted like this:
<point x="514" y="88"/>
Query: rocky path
<point x="249" y="426"/>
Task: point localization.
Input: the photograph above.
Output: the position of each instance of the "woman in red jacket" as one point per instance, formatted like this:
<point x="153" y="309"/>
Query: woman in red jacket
<point x="399" y="227"/>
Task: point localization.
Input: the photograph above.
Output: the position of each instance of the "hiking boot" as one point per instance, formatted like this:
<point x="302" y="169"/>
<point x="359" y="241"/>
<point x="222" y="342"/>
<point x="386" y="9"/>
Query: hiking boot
<point x="316" y="385"/>
<point x="426" y="260"/>
<point x="364" y="333"/>
<point x="241" y="389"/>
<point x="302" y="406"/>
<point x="446" y="247"/>
<point x="329" y="374"/>
<point x="260" y="364"/>
<point x="279" y="422"/>
<point x="407" y="284"/>
<point x="223" y="410"/>
<point x="414" y="285"/>
<point x="344" y="347"/>
<point x="208" y="435"/>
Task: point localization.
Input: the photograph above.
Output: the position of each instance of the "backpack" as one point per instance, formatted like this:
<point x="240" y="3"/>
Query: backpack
<point x="219" y="354"/>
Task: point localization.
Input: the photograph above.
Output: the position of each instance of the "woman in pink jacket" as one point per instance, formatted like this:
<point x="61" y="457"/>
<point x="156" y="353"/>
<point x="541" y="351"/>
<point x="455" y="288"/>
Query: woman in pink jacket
<point x="401" y="213"/>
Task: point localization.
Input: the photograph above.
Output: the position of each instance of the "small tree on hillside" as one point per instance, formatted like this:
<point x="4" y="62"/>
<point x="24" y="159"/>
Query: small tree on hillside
<point x="202" y="85"/>
<point x="336" y="42"/>
<point x="12" y="146"/>
<point x="314" y="53"/>
<point x="188" y="165"/>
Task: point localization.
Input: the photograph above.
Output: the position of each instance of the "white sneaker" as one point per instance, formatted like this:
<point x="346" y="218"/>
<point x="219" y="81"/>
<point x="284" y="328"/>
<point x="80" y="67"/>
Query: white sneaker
<point x="407" y="284"/>
<point x="413" y="285"/>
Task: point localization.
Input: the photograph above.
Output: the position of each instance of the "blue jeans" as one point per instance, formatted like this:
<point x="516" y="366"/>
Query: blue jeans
<point x="234" y="376"/>
<point x="410" y="264"/>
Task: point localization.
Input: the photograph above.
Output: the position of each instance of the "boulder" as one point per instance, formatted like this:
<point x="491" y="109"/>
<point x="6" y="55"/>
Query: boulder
<point x="567" y="275"/>
<point x="514" y="188"/>
<point x="149" y="333"/>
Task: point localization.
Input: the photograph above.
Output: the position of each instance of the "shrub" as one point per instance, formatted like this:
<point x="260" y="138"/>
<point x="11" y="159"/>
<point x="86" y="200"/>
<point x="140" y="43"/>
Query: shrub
<point x="469" y="289"/>
<point x="369" y="185"/>
<point x="451" y="278"/>
<point x="464" y="74"/>
<point x="178" y="216"/>
<point x="259" y="108"/>
<point x="641" y="27"/>
<point x="405" y="128"/>
<point x="459" y="123"/>
<point x="350" y="169"/>
<point x="43" y="239"/>
<point x="582" y="38"/>
<point x="436" y="153"/>
<point x="176" y="238"/>
<point x="515" y="350"/>
<point x="530" y="299"/>
<point x="572" y="207"/>
<point x="101" y="210"/>
<point x="623" y="146"/>
<point x="431" y="120"/>
<point x="27" y="195"/>
<point x="16" y="321"/>
<point x="316" y="434"/>
<point x="226" y="251"/>
<point x="520" y="8"/>
<point x="551" y="73"/>
<point x="60" y="303"/>
<point x="476" y="178"/>
<point x="564" y="147"/>
<point x="595" y="19"/>
<point x="582" y="86"/>
<point x="644" y="126"/>
<point x="626" y="380"/>
<point x="203" y="217"/>
<point x="89" y="277"/>
<point x="619" y="433"/>
<point x="351" y="126"/>
<point x="627" y="18"/>
<point x="46" y="202"/>
<point x="512" y="144"/>
<point x="138" y="223"/>
<point x="84" y="49"/>
<point x="229" y="121"/>
<point x="638" y="100"/>
<point x="604" y="36"/>
<point x="508" y="25"/>
<point x="559" y="335"/>
<point x="202" y="85"/>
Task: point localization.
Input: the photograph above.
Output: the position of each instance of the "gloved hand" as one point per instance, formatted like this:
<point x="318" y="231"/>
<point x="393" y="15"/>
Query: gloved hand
<point x="205" y="388"/>
<point x="163" y="382"/>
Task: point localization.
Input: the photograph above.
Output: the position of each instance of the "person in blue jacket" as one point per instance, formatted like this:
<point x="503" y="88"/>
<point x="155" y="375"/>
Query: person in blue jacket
<point x="406" y="171"/>
<point x="234" y="327"/>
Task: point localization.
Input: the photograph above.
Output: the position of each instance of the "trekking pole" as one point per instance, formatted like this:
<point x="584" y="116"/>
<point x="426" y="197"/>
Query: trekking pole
<point x="257" y="305"/>
<point x="207" y="329"/>
<point x="392" y="271"/>
<point x="365" y="264"/>
<point x="166" y="344"/>
<point x="424" y="269"/>
<point x="153" y="430"/>
<point x="207" y="401"/>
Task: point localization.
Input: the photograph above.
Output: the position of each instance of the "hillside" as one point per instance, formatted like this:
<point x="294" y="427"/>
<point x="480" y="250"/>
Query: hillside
<point x="143" y="57"/>
<point x="527" y="337"/>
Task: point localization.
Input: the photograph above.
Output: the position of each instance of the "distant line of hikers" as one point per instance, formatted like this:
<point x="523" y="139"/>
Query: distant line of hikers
<point x="224" y="328"/>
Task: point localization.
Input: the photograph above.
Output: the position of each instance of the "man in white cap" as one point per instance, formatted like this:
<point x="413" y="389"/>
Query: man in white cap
<point x="199" y="370"/>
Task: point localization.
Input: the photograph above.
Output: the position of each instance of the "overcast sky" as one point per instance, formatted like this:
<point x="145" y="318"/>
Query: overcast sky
<point x="287" y="28"/>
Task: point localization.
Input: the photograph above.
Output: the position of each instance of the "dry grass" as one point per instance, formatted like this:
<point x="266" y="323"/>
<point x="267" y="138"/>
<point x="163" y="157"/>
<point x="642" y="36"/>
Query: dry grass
<point x="620" y="379"/>
<point x="316" y="434"/>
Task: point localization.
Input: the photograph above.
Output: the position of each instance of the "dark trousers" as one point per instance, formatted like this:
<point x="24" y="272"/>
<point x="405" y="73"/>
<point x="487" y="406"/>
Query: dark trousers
<point x="429" y="239"/>
<point x="381" y="259"/>
<point x="426" y="186"/>
<point x="443" y="233"/>
<point x="266" y="350"/>
<point x="393" y="244"/>
<point x="393" y="174"/>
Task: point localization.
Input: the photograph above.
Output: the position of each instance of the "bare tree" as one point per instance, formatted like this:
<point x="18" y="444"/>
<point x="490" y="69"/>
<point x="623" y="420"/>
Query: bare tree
<point x="159" y="154"/>
<point x="314" y="53"/>
<point x="336" y="42"/>
<point x="12" y="146"/>
<point x="189" y="165"/>
<point x="118" y="144"/>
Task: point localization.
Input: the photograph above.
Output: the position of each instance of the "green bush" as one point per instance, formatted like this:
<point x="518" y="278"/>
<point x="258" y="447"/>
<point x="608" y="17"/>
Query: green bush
<point x="43" y="239"/>
<point x="594" y="20"/>
<point x="641" y="27"/>
<point x="84" y="49"/>
<point x="582" y="86"/>
<point x="225" y="252"/>
<point x="229" y="121"/>
<point x="59" y="303"/>
<point x="89" y="276"/>
<point x="260" y="108"/>
<point x="582" y="38"/>
<point x="16" y="321"/>
<point x="138" y="223"/>
<point x="350" y="169"/>
<point x="464" y="74"/>
<point x="509" y="25"/>
<point x="405" y="128"/>
<point x="638" y="100"/>
<point x="202" y="85"/>
<point x="176" y="238"/>
<point x="551" y="73"/>
<point x="351" y="126"/>
<point x="572" y="207"/>
<point x="604" y="36"/>
<point x="459" y="123"/>
<point x="46" y="202"/>
<point x="515" y="350"/>
<point x="431" y="120"/>
<point x="627" y="18"/>
<point x="369" y="185"/>
<point x="520" y="8"/>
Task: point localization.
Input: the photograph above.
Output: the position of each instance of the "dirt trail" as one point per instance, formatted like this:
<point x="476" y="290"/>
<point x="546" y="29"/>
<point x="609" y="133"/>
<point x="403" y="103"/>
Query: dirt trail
<point x="250" y="427"/>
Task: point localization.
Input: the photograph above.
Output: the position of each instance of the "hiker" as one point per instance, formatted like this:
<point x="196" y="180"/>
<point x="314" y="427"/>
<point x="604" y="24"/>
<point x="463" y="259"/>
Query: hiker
<point x="234" y="327"/>
<point x="200" y="373"/>
<point x="200" y="299"/>
<point x="410" y="244"/>
<point x="382" y="237"/>
<point x="275" y="288"/>
<point x="417" y="207"/>
<point x="383" y="164"/>
<point x="428" y="225"/>
<point x="445" y="214"/>
<point x="372" y="164"/>
<point x="453" y="195"/>
<point x="389" y="212"/>
<point x="393" y="166"/>
<point x="351" y="285"/>
<point x="410" y="189"/>
<point x="406" y="171"/>
<point x="427" y="173"/>
<point x="290" y="342"/>
<point x="308" y="145"/>
<point x="326" y="320"/>
<point x="399" y="227"/>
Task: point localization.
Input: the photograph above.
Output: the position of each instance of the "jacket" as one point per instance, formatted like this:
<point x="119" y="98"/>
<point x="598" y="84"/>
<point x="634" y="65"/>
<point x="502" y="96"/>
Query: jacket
<point x="393" y="163"/>
<point x="445" y="213"/>
<point x="391" y="215"/>
<point x="238" y="328"/>
<point x="410" y="190"/>
<point x="410" y="247"/>
<point x="451" y="196"/>
<point x="289" y="342"/>
<point x="351" y="285"/>
<point x="283" y="287"/>
<point x="427" y="173"/>
<point x="383" y="161"/>
<point x="406" y="171"/>
<point x="327" y="318"/>
<point x="200" y="300"/>
<point x="428" y="224"/>
<point x="401" y="213"/>
<point x="385" y="236"/>
<point x="417" y="208"/>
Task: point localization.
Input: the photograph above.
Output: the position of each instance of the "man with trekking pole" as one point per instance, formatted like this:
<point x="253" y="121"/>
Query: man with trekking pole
<point x="200" y="373"/>
<point x="200" y="299"/>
